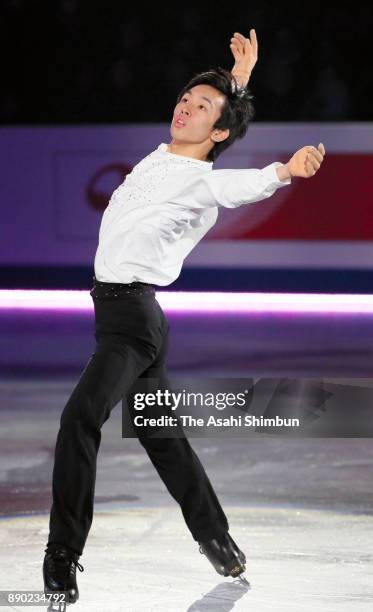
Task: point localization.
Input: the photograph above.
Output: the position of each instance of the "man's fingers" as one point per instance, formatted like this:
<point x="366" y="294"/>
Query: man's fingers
<point x="236" y="48"/>
<point x="319" y="156"/>
<point x="321" y="148"/>
<point x="313" y="161"/>
<point x="236" y="43"/>
<point x="250" y="43"/>
<point x="239" y="39"/>
<point x="239" y="36"/>
<point x="309" y="167"/>
<point x="316" y="152"/>
<point x="254" y="40"/>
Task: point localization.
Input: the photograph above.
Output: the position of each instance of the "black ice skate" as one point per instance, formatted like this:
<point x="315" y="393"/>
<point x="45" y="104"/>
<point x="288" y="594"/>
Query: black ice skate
<point x="225" y="556"/>
<point x="59" y="573"/>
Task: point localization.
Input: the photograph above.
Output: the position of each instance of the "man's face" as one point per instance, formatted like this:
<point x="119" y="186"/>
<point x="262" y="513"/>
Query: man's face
<point x="198" y="110"/>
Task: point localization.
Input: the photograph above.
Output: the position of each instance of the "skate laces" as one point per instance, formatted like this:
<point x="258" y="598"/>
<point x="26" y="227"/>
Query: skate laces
<point x="79" y="566"/>
<point x="63" y="555"/>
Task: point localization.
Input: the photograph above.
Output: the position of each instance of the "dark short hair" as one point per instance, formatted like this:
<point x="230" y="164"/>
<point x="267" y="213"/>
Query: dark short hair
<point x="237" y="110"/>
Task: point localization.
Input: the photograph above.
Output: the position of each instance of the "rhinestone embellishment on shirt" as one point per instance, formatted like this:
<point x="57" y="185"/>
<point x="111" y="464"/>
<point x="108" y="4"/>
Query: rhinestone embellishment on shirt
<point x="140" y="186"/>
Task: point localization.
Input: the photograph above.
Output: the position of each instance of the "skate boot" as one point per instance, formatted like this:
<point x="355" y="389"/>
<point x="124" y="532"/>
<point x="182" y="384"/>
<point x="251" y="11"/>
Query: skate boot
<point x="59" y="572"/>
<point x="224" y="554"/>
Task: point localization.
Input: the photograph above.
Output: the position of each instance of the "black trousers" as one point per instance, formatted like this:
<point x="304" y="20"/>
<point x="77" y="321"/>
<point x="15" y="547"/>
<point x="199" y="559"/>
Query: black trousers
<point x="131" y="333"/>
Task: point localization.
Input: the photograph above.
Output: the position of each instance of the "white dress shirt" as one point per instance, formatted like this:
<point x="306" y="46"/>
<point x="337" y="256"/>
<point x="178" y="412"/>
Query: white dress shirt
<point x="163" y="209"/>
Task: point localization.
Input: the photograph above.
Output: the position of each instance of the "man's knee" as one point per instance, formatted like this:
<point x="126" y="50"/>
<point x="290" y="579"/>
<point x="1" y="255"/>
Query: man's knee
<point x="172" y="446"/>
<point x="155" y="444"/>
<point x="89" y="410"/>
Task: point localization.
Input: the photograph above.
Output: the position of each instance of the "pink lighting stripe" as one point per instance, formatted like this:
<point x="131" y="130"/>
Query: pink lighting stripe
<point x="199" y="302"/>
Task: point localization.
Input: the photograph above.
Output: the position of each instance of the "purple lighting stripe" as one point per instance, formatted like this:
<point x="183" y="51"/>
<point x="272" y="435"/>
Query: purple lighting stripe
<point x="191" y="301"/>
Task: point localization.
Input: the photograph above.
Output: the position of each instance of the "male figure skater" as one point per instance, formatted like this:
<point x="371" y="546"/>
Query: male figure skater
<point x="152" y="222"/>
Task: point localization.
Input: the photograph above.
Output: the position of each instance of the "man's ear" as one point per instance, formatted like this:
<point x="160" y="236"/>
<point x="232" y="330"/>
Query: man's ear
<point x="220" y="135"/>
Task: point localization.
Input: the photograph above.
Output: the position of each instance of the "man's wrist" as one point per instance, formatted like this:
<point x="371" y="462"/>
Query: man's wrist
<point x="283" y="172"/>
<point x="242" y="77"/>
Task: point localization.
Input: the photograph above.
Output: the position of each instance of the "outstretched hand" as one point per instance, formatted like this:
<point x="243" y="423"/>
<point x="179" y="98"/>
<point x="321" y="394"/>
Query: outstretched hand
<point x="306" y="161"/>
<point x="245" y="53"/>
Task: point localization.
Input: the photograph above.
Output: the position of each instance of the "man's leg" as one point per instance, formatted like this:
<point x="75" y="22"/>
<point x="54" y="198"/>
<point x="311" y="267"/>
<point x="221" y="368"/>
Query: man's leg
<point x="109" y="373"/>
<point x="179" y="466"/>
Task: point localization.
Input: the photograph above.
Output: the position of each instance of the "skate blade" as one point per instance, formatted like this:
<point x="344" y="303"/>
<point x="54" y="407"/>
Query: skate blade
<point x="243" y="580"/>
<point x="57" y="607"/>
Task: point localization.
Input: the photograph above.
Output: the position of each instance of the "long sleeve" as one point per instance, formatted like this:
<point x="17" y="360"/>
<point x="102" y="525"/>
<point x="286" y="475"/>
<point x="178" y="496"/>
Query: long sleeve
<point x="162" y="210"/>
<point x="229" y="188"/>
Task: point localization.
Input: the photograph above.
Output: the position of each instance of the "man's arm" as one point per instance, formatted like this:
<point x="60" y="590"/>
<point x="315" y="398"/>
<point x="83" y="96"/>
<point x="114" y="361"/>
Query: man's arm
<point x="225" y="187"/>
<point x="232" y="188"/>
<point x="245" y="53"/>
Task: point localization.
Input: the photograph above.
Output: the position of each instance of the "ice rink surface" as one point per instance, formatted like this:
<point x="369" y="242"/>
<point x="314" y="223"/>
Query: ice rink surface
<point x="142" y="559"/>
<point x="300" y="509"/>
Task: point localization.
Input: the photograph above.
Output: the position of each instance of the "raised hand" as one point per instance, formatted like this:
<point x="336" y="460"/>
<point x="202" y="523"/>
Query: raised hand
<point x="245" y="53"/>
<point x="306" y="161"/>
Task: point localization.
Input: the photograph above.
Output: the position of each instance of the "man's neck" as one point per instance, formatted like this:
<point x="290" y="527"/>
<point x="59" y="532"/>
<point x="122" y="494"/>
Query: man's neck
<point x="187" y="151"/>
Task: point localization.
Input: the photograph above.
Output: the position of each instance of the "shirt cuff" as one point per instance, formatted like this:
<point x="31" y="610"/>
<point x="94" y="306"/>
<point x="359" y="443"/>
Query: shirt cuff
<point x="269" y="172"/>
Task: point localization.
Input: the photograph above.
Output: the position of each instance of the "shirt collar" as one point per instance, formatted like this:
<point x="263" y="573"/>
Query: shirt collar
<point x="163" y="147"/>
